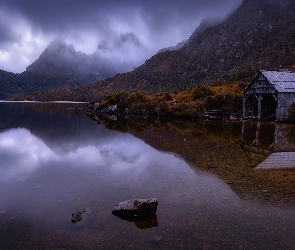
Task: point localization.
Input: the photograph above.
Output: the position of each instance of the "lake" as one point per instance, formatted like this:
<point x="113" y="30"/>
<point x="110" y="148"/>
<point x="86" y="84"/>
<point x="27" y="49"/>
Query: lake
<point x="55" y="161"/>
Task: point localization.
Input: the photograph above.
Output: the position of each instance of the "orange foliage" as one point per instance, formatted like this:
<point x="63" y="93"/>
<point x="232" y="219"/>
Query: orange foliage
<point x="235" y="88"/>
<point x="162" y="68"/>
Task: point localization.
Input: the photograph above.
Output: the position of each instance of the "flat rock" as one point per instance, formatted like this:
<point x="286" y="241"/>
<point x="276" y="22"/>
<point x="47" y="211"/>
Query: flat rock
<point x="136" y="208"/>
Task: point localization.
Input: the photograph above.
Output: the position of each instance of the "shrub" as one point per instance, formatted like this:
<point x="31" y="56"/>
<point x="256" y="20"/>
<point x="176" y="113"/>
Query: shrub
<point x="225" y="102"/>
<point x="201" y="92"/>
<point x="120" y="99"/>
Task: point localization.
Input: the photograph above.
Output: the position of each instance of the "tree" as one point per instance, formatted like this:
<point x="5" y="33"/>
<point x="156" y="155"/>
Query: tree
<point x="201" y="92"/>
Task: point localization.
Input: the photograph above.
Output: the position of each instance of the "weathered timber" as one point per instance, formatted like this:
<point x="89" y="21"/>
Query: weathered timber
<point x="269" y="95"/>
<point x="279" y="160"/>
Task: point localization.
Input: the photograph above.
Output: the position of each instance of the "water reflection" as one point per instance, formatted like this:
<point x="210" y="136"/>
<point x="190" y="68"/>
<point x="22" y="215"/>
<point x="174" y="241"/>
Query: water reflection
<point x="229" y="150"/>
<point x="21" y="152"/>
<point x="56" y="162"/>
<point x="260" y="140"/>
<point x="144" y="223"/>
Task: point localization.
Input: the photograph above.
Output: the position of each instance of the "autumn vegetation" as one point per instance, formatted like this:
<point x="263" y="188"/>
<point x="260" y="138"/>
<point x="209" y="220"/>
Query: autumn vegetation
<point x="187" y="104"/>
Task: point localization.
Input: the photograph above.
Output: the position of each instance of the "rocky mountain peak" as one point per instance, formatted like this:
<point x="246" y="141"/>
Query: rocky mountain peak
<point x="58" y="44"/>
<point x="129" y="37"/>
<point x="125" y="39"/>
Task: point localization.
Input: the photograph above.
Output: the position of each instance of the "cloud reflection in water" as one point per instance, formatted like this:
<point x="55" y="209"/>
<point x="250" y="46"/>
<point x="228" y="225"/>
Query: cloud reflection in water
<point x="21" y="153"/>
<point x="111" y="166"/>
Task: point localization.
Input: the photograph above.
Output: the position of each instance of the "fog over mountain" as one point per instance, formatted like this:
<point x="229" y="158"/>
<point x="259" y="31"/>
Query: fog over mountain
<point x="60" y="65"/>
<point x="27" y="27"/>
<point x="258" y="35"/>
<point x="121" y="54"/>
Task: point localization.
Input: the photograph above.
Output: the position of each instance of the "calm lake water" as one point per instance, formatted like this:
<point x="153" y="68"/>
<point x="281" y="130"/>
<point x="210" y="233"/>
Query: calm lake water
<point x="55" y="161"/>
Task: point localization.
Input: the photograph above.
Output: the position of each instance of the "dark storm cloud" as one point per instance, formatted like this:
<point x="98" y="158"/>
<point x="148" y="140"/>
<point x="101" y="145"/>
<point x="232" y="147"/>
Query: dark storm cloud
<point x="55" y="16"/>
<point x="6" y="35"/>
<point x="29" y="25"/>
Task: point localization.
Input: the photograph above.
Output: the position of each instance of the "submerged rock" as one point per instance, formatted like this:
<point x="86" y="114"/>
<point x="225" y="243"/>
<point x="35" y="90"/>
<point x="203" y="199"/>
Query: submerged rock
<point x="76" y="217"/>
<point x="136" y="208"/>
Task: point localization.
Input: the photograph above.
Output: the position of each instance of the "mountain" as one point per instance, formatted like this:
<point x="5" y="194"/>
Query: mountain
<point x="258" y="35"/>
<point x="60" y="65"/>
<point x="28" y="82"/>
<point x="121" y="54"/>
<point x="205" y="24"/>
<point x="176" y="47"/>
<point x="60" y="58"/>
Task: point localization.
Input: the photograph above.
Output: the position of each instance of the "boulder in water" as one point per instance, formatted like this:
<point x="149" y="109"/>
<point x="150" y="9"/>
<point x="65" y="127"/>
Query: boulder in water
<point x="141" y="208"/>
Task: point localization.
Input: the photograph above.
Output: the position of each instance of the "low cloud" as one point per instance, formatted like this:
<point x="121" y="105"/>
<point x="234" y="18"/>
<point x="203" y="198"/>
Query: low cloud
<point x="27" y="27"/>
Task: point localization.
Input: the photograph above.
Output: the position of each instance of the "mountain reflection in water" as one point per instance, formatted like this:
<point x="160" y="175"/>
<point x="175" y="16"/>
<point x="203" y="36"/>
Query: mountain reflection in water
<point x="56" y="161"/>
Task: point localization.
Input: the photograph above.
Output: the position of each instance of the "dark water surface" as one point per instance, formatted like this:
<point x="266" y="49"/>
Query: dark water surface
<point x="55" y="161"/>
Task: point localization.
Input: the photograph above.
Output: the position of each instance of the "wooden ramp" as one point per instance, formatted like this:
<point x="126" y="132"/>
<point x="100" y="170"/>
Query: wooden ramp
<point x="278" y="161"/>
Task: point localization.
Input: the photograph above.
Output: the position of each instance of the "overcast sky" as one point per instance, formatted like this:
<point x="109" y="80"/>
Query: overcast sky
<point x="27" y="26"/>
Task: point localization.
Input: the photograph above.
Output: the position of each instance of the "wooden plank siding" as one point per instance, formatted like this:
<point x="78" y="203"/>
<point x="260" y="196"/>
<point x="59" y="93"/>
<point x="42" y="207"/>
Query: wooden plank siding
<point x="279" y="160"/>
<point x="284" y="102"/>
<point x="269" y="95"/>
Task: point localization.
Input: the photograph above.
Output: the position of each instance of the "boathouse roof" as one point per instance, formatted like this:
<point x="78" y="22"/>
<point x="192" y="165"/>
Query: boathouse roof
<point x="282" y="81"/>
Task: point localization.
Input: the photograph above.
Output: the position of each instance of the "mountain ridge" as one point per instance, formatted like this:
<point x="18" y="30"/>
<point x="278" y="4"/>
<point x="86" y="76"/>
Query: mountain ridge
<point x="60" y="65"/>
<point x="258" y="35"/>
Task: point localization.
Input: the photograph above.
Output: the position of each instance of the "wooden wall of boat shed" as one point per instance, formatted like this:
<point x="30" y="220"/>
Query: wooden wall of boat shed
<point x="269" y="95"/>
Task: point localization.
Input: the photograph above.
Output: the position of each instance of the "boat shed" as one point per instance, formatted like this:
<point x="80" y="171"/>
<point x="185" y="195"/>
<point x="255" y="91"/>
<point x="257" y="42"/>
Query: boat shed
<point x="269" y="95"/>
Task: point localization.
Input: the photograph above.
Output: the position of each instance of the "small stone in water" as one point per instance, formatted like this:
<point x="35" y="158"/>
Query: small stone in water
<point x="76" y="217"/>
<point x="136" y="208"/>
<point x="157" y="239"/>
